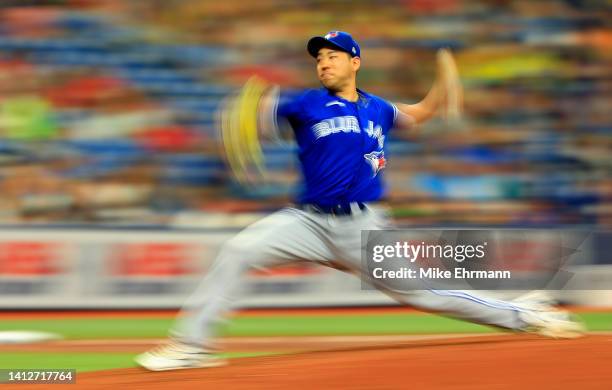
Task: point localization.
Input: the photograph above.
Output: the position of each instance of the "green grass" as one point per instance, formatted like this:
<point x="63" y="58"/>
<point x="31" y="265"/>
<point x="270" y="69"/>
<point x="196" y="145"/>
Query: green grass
<point x="91" y="328"/>
<point x="597" y="321"/>
<point x="349" y="324"/>
<point x="273" y="325"/>
<point x="83" y="362"/>
<point x="80" y="361"/>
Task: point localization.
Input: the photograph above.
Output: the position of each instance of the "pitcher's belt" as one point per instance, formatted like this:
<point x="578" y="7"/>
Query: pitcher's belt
<point x="340" y="209"/>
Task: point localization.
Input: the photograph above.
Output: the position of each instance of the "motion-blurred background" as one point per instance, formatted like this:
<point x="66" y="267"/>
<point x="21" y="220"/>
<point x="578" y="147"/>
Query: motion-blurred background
<point x="107" y="115"/>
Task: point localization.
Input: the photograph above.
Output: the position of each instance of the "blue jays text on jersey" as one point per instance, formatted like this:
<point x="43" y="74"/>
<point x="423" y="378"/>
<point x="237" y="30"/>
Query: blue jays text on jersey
<point x="341" y="144"/>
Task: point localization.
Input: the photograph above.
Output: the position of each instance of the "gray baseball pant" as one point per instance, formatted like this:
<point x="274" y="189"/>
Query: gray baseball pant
<point x="292" y="234"/>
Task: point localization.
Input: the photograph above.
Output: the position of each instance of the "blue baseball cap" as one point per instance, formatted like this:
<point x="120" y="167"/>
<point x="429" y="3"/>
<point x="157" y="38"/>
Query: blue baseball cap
<point x="338" y="39"/>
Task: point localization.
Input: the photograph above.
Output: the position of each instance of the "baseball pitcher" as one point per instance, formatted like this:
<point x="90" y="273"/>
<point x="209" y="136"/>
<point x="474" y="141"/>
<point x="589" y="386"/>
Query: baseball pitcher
<point x="340" y="131"/>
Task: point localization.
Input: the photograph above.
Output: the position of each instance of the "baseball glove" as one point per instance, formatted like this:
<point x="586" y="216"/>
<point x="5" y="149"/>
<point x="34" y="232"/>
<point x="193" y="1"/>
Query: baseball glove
<point x="238" y="124"/>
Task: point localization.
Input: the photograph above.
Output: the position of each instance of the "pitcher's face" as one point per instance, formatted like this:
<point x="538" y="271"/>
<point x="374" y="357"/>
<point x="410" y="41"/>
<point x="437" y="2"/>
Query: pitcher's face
<point x="336" y="69"/>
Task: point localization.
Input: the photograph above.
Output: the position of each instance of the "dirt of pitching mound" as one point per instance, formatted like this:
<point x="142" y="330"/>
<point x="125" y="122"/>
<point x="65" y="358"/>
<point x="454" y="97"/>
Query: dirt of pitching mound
<point x="495" y="362"/>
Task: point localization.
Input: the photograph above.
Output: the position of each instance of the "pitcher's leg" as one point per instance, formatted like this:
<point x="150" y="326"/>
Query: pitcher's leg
<point x="464" y="305"/>
<point x="213" y="298"/>
<point x="526" y="314"/>
<point x="468" y="306"/>
<point x="285" y="236"/>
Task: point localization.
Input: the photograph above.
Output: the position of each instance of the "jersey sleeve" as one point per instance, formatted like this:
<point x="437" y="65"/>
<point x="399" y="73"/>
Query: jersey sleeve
<point x="288" y="112"/>
<point x="389" y="114"/>
<point x="289" y="104"/>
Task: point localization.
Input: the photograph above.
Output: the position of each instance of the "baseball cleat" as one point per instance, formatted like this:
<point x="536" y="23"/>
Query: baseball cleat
<point x="177" y="356"/>
<point x="544" y="319"/>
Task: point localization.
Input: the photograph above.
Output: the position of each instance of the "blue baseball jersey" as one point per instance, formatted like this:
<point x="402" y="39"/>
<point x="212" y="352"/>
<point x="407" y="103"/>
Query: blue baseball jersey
<point x="341" y="144"/>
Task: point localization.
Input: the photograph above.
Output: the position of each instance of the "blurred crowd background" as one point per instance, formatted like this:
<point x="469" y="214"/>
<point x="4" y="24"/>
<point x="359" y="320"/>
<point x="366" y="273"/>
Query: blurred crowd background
<point x="107" y="108"/>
